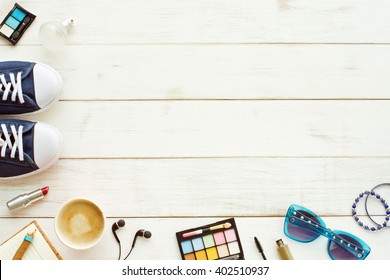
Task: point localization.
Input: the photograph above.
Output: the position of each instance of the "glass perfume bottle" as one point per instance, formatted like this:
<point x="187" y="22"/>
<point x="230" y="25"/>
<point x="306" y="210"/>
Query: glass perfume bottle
<point x="53" y="34"/>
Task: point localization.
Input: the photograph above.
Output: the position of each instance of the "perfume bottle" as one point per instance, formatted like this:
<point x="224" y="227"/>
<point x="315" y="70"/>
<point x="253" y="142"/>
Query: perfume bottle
<point x="53" y="34"/>
<point x="283" y="250"/>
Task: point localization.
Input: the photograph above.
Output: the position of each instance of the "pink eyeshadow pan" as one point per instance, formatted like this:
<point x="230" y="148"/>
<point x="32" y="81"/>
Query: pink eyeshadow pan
<point x="230" y="235"/>
<point x="219" y="238"/>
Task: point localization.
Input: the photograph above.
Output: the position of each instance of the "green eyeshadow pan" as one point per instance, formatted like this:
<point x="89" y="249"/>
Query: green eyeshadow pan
<point x="208" y="241"/>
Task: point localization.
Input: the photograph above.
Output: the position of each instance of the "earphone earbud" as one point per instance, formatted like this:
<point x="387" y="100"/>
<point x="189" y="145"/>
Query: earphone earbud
<point x="141" y="233"/>
<point x="116" y="226"/>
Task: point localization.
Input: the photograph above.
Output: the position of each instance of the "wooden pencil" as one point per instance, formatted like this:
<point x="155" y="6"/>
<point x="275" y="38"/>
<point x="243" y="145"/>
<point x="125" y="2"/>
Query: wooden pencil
<point x="28" y="238"/>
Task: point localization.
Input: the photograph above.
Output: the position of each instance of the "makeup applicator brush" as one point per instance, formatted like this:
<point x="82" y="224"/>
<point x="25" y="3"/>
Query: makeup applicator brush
<point x="204" y="230"/>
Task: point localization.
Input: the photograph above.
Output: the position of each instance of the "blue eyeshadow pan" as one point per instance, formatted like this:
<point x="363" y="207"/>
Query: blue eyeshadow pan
<point x="187" y="247"/>
<point x="18" y="14"/>
<point x="198" y="244"/>
<point x="12" y="22"/>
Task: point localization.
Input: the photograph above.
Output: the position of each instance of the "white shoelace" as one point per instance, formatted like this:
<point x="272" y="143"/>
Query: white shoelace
<point x="18" y="141"/>
<point x="5" y="87"/>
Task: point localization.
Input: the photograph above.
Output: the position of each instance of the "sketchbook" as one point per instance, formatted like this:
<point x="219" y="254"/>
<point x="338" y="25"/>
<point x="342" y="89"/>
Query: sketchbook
<point x="40" y="248"/>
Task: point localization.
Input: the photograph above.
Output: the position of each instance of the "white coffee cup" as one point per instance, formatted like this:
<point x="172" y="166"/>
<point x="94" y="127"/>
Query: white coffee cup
<point x="79" y="223"/>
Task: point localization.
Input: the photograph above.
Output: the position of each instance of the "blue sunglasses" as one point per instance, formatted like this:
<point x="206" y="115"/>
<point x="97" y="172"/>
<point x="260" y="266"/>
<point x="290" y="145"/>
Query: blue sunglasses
<point x="303" y="225"/>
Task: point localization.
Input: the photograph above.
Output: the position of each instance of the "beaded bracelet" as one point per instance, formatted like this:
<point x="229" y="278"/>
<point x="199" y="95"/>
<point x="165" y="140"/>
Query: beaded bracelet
<point x="366" y="202"/>
<point x="382" y="200"/>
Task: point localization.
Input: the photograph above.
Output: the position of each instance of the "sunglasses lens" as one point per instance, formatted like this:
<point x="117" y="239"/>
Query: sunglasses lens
<point x="300" y="233"/>
<point x="339" y="253"/>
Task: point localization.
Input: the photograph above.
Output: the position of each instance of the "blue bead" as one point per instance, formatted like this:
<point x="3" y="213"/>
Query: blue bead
<point x="361" y="195"/>
<point x="354" y="205"/>
<point x="383" y="200"/>
<point x="387" y="212"/>
<point x="353" y="212"/>
<point x="372" y="193"/>
<point x="366" y="192"/>
<point x="357" y="200"/>
<point x="373" y="229"/>
<point x="378" y="227"/>
<point x="366" y="227"/>
<point x="378" y="196"/>
<point x="387" y="218"/>
<point x="360" y="224"/>
<point x="356" y="219"/>
<point x="386" y="206"/>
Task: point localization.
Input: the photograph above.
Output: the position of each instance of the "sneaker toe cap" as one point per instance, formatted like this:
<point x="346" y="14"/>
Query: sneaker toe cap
<point x="47" y="145"/>
<point x="47" y="85"/>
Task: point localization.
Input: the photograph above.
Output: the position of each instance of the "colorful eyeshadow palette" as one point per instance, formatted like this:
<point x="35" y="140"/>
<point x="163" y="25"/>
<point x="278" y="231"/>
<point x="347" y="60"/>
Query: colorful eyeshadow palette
<point x="217" y="241"/>
<point x="15" y="24"/>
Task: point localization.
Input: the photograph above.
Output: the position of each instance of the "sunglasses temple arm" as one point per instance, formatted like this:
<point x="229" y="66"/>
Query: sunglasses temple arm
<point x="317" y="228"/>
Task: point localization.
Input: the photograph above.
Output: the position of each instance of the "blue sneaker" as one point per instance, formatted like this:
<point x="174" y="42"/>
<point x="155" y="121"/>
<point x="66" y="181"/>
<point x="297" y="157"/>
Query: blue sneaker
<point x="27" y="87"/>
<point x="27" y="148"/>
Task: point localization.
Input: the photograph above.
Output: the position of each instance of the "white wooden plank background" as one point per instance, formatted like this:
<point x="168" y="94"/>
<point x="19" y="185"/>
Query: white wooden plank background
<point x="216" y="21"/>
<point x="180" y="113"/>
<point x="176" y="72"/>
<point x="158" y="187"/>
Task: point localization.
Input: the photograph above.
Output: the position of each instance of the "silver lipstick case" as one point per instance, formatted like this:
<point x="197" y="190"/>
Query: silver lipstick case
<point x="24" y="200"/>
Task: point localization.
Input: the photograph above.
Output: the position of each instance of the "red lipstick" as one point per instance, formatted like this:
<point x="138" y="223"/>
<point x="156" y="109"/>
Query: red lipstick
<point x="45" y="190"/>
<point x="26" y="199"/>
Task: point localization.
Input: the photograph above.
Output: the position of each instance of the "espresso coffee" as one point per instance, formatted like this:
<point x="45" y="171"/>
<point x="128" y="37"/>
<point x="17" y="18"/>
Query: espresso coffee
<point x="80" y="224"/>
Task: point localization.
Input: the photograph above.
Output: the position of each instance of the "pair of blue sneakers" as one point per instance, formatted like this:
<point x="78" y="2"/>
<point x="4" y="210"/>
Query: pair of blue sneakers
<point x="27" y="147"/>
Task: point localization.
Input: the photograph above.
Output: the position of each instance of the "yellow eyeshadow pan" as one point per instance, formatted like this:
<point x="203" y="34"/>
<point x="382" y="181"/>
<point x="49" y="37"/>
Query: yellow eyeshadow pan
<point x="201" y="255"/>
<point x="215" y="241"/>
<point x="212" y="253"/>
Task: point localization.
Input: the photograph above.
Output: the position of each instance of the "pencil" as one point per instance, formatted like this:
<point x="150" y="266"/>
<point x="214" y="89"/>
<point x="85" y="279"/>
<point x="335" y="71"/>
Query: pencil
<point x="28" y="238"/>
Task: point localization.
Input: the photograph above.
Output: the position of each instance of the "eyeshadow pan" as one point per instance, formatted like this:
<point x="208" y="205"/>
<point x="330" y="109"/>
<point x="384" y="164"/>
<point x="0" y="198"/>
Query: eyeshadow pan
<point x="223" y="251"/>
<point x="198" y="244"/>
<point x="219" y="238"/>
<point x="12" y="22"/>
<point x="212" y="253"/>
<point x="189" y="257"/>
<point x="201" y="255"/>
<point x="234" y="248"/>
<point x="208" y="241"/>
<point x="6" y="30"/>
<point x="18" y="14"/>
<point x="230" y="235"/>
<point x="187" y="247"/>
